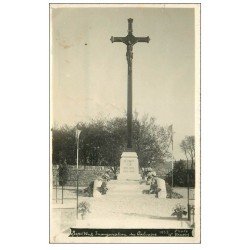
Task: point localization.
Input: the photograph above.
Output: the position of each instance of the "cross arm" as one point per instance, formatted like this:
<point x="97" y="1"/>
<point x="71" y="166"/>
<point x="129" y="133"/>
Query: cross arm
<point x="143" y="39"/>
<point x="117" y="39"/>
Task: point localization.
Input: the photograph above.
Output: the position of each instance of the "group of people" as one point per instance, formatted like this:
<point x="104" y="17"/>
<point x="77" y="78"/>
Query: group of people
<point x="99" y="186"/>
<point x="157" y="185"/>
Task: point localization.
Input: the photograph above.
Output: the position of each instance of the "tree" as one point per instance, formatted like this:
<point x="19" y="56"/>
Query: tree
<point x="149" y="140"/>
<point x="102" y="142"/>
<point x="188" y="147"/>
<point x="180" y="175"/>
<point x="63" y="145"/>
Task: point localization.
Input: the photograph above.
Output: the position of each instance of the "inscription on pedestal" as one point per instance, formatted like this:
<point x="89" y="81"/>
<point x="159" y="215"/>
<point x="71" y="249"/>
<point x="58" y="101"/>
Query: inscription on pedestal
<point x="129" y="166"/>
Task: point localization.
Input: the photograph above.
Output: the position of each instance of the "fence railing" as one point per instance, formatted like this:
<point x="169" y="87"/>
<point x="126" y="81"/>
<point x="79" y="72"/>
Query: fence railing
<point x="86" y="174"/>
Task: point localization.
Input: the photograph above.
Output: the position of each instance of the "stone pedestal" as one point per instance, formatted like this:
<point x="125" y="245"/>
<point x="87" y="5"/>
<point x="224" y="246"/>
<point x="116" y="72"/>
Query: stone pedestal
<point x="162" y="193"/>
<point x="129" y="167"/>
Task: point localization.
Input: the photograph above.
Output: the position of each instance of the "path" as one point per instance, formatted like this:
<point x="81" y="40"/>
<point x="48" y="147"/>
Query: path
<point x="125" y="206"/>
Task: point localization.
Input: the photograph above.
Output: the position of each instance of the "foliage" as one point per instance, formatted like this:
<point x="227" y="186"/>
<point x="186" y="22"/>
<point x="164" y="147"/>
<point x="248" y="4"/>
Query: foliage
<point x="84" y="208"/>
<point x="188" y="147"/>
<point x="150" y="142"/>
<point x="64" y="145"/>
<point x="179" y="211"/>
<point x="102" y="142"/>
<point x="182" y="176"/>
<point x="63" y="173"/>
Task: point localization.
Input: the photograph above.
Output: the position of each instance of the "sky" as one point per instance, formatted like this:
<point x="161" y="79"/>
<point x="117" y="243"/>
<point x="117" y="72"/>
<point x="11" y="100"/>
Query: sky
<point x="89" y="73"/>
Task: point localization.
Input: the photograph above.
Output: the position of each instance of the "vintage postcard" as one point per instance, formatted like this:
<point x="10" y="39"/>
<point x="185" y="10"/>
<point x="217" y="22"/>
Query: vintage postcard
<point x="125" y="123"/>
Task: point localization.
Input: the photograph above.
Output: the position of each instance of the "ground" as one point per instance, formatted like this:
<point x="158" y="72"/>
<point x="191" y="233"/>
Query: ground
<point x="124" y="206"/>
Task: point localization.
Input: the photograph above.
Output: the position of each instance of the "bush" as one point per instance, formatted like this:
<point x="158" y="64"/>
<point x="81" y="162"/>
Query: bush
<point x="63" y="174"/>
<point x="86" y="175"/>
<point x="181" y="175"/>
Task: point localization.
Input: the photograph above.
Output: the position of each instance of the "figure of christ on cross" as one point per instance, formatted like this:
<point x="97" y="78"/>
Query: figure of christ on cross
<point x="130" y="40"/>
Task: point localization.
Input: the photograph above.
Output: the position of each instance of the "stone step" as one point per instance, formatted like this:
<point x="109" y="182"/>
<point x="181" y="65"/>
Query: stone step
<point x="125" y="188"/>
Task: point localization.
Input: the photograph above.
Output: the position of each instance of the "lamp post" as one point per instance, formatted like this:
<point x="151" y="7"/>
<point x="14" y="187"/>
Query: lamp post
<point x="77" y="162"/>
<point x="188" y="205"/>
<point x="172" y="140"/>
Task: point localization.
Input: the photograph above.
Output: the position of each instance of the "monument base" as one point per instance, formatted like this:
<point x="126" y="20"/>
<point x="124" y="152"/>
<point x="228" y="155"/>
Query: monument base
<point x="129" y="167"/>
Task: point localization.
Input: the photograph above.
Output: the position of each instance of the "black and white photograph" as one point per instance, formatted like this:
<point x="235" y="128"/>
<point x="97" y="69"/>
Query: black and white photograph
<point x="125" y="123"/>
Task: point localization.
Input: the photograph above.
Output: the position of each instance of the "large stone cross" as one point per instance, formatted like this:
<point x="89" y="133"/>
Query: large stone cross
<point x="129" y="40"/>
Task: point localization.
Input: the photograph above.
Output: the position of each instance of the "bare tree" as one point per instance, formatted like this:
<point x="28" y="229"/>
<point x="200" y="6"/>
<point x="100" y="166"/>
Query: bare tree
<point x="183" y="147"/>
<point x="188" y="147"/>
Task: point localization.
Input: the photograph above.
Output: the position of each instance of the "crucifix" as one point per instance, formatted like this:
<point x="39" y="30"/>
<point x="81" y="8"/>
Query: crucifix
<point x="130" y="40"/>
